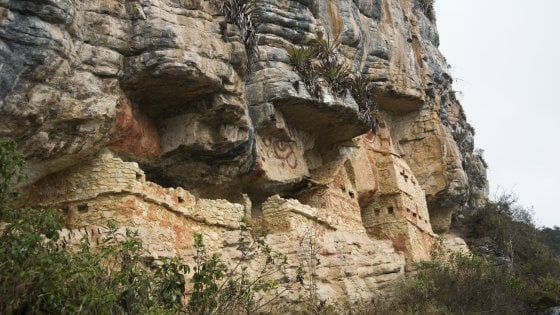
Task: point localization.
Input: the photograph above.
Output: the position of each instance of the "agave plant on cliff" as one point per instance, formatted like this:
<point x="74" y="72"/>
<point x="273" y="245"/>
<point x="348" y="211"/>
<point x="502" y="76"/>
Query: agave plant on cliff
<point x="362" y="91"/>
<point x="337" y="77"/>
<point x="318" y="64"/>
<point x="243" y="14"/>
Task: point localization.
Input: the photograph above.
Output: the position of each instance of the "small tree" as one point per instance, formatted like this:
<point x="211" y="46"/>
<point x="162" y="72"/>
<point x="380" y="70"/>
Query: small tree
<point x="222" y="288"/>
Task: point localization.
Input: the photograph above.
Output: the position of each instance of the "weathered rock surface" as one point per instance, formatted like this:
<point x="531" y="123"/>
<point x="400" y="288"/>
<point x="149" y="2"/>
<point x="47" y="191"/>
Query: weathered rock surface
<point x="143" y="112"/>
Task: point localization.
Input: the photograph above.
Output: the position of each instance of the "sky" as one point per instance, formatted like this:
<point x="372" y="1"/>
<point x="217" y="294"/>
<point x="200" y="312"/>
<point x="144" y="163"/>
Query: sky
<point x="505" y="58"/>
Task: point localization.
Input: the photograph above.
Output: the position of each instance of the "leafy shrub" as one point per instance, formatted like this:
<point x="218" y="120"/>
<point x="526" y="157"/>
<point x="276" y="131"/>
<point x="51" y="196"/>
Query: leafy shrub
<point x="551" y="238"/>
<point x="219" y="288"/>
<point x="11" y="172"/>
<point x="509" y="233"/>
<point x="40" y="274"/>
<point x="462" y="284"/>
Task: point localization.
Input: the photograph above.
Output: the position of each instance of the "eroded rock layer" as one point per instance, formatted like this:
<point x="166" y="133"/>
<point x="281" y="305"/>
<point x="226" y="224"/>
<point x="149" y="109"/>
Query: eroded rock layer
<point x="147" y="112"/>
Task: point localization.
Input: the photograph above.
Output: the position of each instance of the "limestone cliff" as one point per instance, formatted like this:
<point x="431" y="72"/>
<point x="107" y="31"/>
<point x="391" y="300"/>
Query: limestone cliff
<point x="155" y="113"/>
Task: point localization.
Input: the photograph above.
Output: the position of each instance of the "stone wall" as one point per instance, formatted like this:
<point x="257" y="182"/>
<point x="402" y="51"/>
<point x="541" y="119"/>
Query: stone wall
<point x="107" y="189"/>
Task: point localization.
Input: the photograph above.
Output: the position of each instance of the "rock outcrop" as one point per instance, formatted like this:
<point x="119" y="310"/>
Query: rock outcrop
<point x="154" y="113"/>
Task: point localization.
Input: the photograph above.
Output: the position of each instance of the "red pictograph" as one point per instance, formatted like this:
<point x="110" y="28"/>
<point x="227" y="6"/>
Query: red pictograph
<point x="283" y="150"/>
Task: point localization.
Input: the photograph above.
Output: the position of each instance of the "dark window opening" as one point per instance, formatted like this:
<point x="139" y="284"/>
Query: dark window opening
<point x="391" y="210"/>
<point x="351" y="193"/>
<point x="155" y="176"/>
<point x="83" y="208"/>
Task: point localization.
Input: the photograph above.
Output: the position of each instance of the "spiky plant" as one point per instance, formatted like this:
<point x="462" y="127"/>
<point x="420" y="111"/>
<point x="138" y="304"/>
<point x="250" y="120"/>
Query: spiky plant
<point x="369" y="117"/>
<point x="301" y="58"/>
<point x="337" y="77"/>
<point x="362" y="91"/>
<point x="326" y="50"/>
<point x="244" y="14"/>
<point x="312" y="81"/>
<point x="319" y="61"/>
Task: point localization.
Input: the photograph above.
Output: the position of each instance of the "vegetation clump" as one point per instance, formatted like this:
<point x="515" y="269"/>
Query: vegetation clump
<point x="219" y="288"/>
<point x="513" y="268"/>
<point x="11" y="173"/>
<point x="318" y="63"/>
<point x="462" y="284"/>
<point x="40" y="274"/>
<point x="505" y="231"/>
<point x="243" y="14"/>
<point x="551" y="238"/>
<point x="427" y="7"/>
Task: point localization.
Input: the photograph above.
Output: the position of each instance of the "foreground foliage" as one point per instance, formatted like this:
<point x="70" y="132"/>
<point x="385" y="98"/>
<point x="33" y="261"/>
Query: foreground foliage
<point x="513" y="269"/>
<point x="463" y="284"/>
<point x="219" y="288"/>
<point x="40" y="274"/>
<point x="505" y="230"/>
<point x="551" y="238"/>
<point x="11" y="173"/>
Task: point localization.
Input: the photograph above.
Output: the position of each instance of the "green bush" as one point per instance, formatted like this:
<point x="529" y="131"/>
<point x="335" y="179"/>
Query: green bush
<point x="508" y="232"/>
<point x="551" y="238"/>
<point x="11" y="172"/>
<point x="40" y="274"/>
<point x="462" y="284"/>
<point x="511" y="228"/>
<point x="510" y="272"/>
<point x="221" y="288"/>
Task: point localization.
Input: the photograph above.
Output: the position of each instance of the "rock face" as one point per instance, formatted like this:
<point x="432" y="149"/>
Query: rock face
<point x="144" y="112"/>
